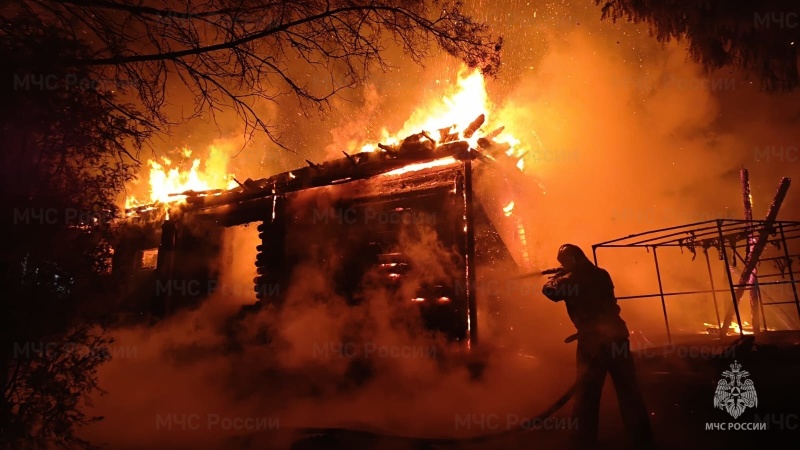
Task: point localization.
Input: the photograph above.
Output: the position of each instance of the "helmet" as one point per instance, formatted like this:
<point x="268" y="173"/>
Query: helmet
<point x="571" y="251"/>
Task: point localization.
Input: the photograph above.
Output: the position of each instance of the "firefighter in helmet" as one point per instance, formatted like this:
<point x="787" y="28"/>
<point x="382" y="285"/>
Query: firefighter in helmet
<point x="603" y="347"/>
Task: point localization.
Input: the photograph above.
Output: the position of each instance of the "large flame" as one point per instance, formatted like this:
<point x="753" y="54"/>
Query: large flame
<point x="167" y="179"/>
<point x="455" y="111"/>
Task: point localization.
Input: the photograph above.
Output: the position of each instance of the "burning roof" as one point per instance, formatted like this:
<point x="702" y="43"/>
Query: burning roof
<point x="427" y="146"/>
<point x="415" y="152"/>
<point x="424" y="138"/>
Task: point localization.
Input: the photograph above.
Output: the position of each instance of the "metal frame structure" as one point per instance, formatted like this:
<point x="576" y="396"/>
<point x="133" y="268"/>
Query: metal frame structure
<point x="722" y="235"/>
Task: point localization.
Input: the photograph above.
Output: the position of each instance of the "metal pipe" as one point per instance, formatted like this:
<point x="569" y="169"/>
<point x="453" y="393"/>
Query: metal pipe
<point x="768" y="283"/>
<point x="789" y="266"/>
<point x="675" y="244"/>
<point x="669" y="294"/>
<point x="732" y="226"/>
<point x="703" y="291"/>
<point x="773" y="275"/>
<point x="783" y="241"/>
<point x="713" y="289"/>
<point x="751" y="241"/>
<point x="604" y="244"/>
<point x="724" y="329"/>
<point x="661" y="291"/>
<point x="791" y="302"/>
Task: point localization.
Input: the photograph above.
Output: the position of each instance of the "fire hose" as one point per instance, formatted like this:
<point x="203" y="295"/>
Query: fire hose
<point x="547" y="413"/>
<point x="427" y="441"/>
<point x="558" y="404"/>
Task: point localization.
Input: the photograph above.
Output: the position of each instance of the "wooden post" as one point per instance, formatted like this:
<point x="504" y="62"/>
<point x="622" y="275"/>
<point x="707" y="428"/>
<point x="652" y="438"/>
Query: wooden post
<point x="755" y="254"/>
<point x="164" y="279"/>
<point x="472" y="311"/>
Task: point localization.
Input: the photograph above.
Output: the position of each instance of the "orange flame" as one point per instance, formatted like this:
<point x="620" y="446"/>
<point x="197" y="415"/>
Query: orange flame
<point x="467" y="100"/>
<point x="454" y="113"/>
<point x="167" y="180"/>
<point x="421" y="166"/>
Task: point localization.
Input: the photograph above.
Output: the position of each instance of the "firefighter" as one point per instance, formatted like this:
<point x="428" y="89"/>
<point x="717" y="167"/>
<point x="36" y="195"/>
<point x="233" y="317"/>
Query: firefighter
<point x="603" y="347"/>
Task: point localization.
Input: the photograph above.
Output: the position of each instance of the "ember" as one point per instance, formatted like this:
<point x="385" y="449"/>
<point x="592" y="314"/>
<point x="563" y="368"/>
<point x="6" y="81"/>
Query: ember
<point x="734" y="330"/>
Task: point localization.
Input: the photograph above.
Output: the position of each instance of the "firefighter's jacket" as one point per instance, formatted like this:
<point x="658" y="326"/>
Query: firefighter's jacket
<point x="591" y="304"/>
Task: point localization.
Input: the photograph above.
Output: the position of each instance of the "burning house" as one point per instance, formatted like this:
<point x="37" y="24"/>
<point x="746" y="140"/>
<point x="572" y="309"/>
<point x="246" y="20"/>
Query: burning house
<point x="464" y="185"/>
<point x="350" y="213"/>
<point x="464" y="188"/>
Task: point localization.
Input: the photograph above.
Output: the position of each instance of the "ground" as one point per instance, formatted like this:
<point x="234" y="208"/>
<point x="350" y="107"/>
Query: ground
<point x="678" y="382"/>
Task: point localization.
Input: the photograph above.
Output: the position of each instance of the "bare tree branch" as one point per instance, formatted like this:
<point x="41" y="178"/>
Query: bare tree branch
<point x="232" y="53"/>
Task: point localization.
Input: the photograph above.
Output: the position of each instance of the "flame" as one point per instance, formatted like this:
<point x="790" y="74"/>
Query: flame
<point x="421" y="166"/>
<point x="734" y="329"/>
<point x="454" y="113"/>
<point x="166" y="179"/>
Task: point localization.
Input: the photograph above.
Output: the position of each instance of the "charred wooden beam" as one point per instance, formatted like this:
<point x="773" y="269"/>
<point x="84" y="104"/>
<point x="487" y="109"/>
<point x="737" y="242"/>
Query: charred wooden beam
<point x="493" y="134"/>
<point x="444" y="133"/>
<point x="193" y="193"/>
<point x="350" y="167"/>
<point x="251" y="184"/>
<point x="162" y="299"/>
<point x="472" y="307"/>
<point x="755" y="254"/>
<point x="452" y="137"/>
<point x="390" y="150"/>
<point x="413" y="146"/>
<point x="474" y="126"/>
<point x="493" y="147"/>
<point x="270" y="267"/>
<point x="350" y="158"/>
<point x="369" y="164"/>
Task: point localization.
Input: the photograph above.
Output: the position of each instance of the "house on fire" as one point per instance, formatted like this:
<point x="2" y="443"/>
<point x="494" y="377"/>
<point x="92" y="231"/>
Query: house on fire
<point x="357" y="208"/>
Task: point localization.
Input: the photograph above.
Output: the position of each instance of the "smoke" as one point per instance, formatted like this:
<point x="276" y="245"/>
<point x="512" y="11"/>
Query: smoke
<point x="624" y="135"/>
<point x="627" y="136"/>
<point x="355" y="132"/>
<point x="317" y="361"/>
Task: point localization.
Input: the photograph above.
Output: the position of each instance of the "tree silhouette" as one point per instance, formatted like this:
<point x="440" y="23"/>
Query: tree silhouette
<point x="65" y="156"/>
<point x="85" y="84"/>
<point x="759" y="37"/>
<point x="235" y="53"/>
